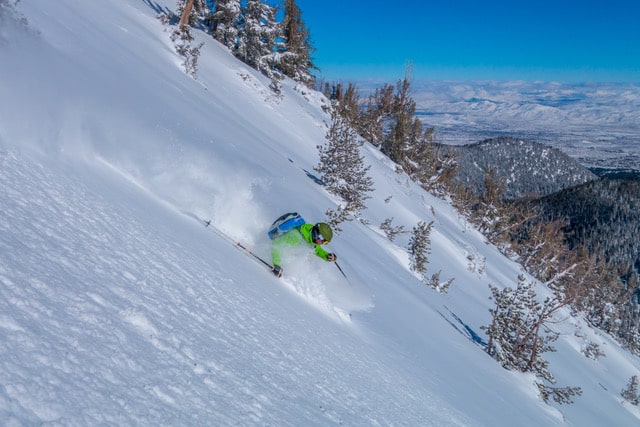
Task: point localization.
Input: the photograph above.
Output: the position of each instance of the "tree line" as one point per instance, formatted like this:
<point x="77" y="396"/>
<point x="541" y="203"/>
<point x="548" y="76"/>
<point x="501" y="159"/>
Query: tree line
<point x="251" y="32"/>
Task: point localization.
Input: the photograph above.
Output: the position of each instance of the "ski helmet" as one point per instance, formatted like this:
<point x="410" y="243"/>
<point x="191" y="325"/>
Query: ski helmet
<point x="323" y="231"/>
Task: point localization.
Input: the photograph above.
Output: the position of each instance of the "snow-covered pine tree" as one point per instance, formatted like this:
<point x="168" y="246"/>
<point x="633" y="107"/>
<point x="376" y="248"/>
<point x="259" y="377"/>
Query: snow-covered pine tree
<point x="420" y="247"/>
<point x="226" y="22"/>
<point x="258" y="37"/>
<point x="489" y="212"/>
<point x="8" y="9"/>
<point x="561" y="395"/>
<point x="592" y="351"/>
<point x="515" y="334"/>
<point x="630" y="392"/>
<point x="518" y="335"/>
<point x="436" y="284"/>
<point x="342" y="169"/>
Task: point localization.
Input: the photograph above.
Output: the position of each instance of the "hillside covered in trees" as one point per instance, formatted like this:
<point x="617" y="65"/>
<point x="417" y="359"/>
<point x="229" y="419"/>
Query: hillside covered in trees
<point x="574" y="231"/>
<point x="526" y="168"/>
<point x="603" y="217"/>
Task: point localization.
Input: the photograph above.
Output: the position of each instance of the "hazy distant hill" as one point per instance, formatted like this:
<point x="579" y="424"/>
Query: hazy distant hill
<point x="616" y="173"/>
<point x="527" y="168"/>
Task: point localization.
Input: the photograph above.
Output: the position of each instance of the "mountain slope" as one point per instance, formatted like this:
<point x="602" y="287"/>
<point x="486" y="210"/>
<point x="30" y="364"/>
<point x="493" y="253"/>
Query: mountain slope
<point x="119" y="308"/>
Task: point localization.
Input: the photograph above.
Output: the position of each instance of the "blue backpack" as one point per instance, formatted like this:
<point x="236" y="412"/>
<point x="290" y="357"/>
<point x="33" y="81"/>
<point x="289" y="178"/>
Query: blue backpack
<point x="286" y="222"/>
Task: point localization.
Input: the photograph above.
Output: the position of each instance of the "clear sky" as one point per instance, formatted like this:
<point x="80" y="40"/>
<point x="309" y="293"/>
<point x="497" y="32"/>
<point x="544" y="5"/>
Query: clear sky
<point x="550" y="40"/>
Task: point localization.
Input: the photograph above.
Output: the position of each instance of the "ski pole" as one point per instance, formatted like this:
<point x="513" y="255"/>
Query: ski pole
<point x="247" y="250"/>
<point x="207" y="223"/>
<point x="337" y="265"/>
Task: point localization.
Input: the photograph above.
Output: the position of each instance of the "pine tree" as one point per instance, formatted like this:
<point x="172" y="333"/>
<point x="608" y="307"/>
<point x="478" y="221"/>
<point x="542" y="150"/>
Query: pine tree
<point x="226" y="22"/>
<point x="346" y="101"/>
<point x="420" y="247"/>
<point x="403" y="108"/>
<point x="376" y="117"/>
<point x="295" y="59"/>
<point x="436" y="284"/>
<point x="391" y="120"/>
<point x="518" y="335"/>
<point x="189" y="11"/>
<point x="561" y="395"/>
<point x="490" y="212"/>
<point x="342" y="169"/>
<point x="630" y="392"/>
<point x="257" y="37"/>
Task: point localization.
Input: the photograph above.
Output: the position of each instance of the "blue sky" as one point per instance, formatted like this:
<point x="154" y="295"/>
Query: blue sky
<point x="561" y="40"/>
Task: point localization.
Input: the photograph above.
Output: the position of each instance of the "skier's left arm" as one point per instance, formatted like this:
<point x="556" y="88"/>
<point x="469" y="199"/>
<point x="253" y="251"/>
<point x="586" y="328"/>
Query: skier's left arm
<point x="327" y="256"/>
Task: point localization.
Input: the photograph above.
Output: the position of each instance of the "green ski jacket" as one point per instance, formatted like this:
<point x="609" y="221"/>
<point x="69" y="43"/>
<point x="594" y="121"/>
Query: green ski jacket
<point x="292" y="238"/>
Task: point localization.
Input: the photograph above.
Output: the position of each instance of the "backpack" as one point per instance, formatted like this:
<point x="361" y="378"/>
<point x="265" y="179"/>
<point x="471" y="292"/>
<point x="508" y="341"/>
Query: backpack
<point x="286" y="222"/>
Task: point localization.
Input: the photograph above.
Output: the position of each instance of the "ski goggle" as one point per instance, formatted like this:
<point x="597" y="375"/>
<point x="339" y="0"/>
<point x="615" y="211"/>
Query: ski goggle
<point x="317" y="237"/>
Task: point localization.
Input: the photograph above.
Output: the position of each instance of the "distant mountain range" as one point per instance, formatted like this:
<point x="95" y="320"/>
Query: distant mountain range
<point x="596" y="123"/>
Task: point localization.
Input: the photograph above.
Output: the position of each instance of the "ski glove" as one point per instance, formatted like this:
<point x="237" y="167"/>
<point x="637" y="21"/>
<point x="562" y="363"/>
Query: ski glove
<point x="277" y="270"/>
<point x="332" y="257"/>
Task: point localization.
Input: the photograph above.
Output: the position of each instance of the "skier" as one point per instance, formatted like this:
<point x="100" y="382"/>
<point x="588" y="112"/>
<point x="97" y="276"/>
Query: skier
<point x="316" y="235"/>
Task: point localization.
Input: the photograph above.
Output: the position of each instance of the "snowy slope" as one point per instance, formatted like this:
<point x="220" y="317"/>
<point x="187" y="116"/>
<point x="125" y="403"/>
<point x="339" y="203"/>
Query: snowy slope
<point x="119" y="307"/>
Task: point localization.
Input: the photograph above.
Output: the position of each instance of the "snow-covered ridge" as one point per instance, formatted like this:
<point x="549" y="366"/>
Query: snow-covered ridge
<point x="118" y="307"/>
